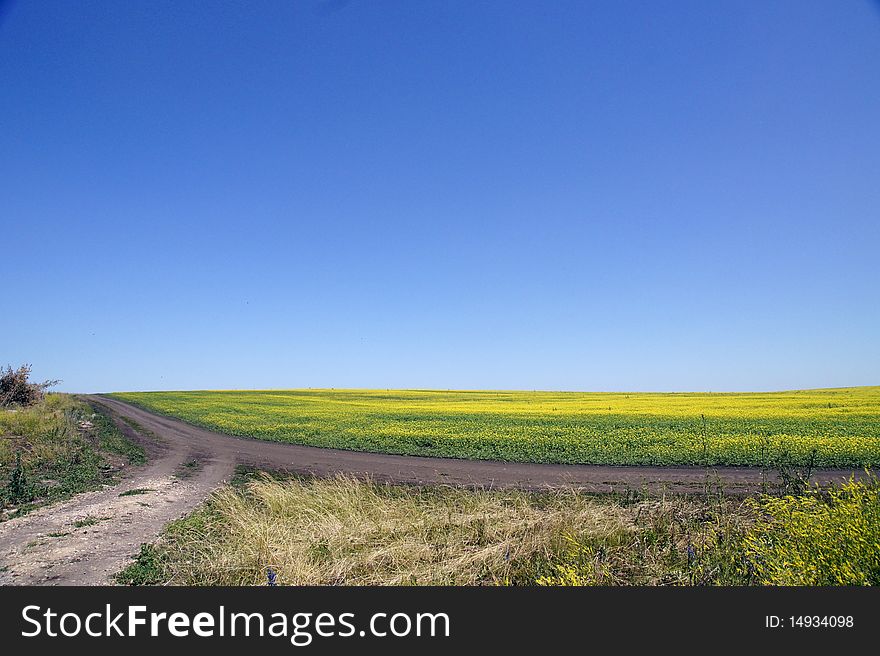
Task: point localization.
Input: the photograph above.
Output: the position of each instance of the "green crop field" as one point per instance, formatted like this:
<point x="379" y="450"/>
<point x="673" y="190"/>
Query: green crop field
<point x="836" y="427"/>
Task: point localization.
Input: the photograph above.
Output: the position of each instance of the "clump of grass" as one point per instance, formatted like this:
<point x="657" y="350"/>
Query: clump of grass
<point x="89" y="520"/>
<point x="136" y="491"/>
<point x="188" y="468"/>
<point x="147" y="569"/>
<point x="18" y="489"/>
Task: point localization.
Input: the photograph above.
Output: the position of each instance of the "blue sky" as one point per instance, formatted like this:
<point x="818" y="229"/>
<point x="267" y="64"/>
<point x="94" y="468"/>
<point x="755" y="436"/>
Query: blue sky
<point x="459" y="194"/>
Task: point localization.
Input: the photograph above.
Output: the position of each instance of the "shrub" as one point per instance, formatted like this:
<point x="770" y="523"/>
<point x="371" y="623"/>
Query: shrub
<point x="15" y="389"/>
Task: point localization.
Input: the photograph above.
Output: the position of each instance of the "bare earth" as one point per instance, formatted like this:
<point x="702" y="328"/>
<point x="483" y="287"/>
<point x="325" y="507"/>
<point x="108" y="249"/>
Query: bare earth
<point x="46" y="546"/>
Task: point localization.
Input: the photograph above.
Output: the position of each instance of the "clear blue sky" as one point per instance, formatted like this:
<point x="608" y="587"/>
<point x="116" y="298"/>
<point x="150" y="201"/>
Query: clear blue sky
<point x="457" y="194"/>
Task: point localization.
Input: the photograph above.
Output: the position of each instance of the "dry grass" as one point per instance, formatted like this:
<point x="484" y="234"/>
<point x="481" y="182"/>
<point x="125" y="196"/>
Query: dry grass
<point x="343" y="531"/>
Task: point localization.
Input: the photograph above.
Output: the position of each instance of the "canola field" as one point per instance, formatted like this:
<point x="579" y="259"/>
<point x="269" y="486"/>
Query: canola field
<point x="832" y="428"/>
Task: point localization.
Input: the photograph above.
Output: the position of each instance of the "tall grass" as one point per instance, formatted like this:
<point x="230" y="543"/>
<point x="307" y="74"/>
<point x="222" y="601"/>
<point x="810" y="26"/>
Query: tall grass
<point x="39" y="433"/>
<point x="54" y="449"/>
<point x="350" y="532"/>
<point x="343" y="531"/>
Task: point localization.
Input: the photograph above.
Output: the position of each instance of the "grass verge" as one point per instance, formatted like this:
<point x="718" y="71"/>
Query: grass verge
<point x="55" y="449"/>
<point x="343" y="531"/>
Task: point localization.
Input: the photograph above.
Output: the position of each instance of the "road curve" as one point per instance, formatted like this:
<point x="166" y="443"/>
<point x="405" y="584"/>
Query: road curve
<point x="226" y="451"/>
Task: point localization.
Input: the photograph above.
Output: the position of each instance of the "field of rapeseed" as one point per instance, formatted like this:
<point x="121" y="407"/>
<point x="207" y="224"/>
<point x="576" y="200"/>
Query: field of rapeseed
<point x="835" y="427"/>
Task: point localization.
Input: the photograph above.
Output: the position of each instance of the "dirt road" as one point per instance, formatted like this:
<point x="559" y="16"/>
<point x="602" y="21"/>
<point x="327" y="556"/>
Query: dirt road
<point x="91" y="537"/>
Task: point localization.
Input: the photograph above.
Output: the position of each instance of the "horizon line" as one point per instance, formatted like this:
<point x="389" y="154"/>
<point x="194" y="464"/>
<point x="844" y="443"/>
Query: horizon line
<point x="476" y="390"/>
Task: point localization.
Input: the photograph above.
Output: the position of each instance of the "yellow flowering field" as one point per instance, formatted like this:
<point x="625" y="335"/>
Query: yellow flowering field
<point x="836" y="427"/>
